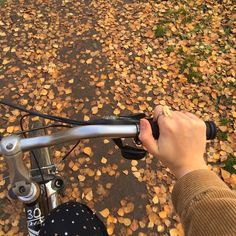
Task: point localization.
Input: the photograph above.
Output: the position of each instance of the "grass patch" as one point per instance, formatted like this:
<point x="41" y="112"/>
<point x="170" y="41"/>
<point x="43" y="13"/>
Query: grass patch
<point x="227" y="29"/>
<point x="170" y="49"/>
<point x="204" y="50"/>
<point x="184" y="36"/>
<point x="160" y="31"/>
<point x="222" y="136"/>
<point x="224" y="121"/>
<point x="189" y="68"/>
<point x="2" y="2"/>
<point x="230" y="164"/>
<point x="231" y="85"/>
<point x="187" y="19"/>
<point x="224" y="100"/>
<point x="194" y="76"/>
<point x="197" y="28"/>
<point x="188" y="62"/>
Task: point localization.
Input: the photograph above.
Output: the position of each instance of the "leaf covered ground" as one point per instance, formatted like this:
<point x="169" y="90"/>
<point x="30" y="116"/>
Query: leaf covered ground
<point x="87" y="59"/>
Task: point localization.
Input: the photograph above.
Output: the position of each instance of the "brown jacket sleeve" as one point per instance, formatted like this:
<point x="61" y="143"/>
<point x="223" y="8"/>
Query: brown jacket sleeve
<point x="205" y="204"/>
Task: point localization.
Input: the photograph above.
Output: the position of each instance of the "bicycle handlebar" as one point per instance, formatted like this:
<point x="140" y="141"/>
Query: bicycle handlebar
<point x="96" y="131"/>
<point x="211" y="129"/>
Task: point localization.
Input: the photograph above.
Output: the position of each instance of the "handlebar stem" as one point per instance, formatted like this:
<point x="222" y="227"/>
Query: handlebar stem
<point x="22" y="186"/>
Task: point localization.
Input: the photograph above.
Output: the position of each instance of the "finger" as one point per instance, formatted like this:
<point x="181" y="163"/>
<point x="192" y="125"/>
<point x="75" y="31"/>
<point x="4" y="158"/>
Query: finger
<point x="147" y="138"/>
<point x="157" y="112"/>
<point x="191" y="115"/>
<point x="167" y="112"/>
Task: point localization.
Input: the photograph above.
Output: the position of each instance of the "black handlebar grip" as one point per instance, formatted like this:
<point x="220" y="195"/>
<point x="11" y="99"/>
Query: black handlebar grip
<point x="211" y="129"/>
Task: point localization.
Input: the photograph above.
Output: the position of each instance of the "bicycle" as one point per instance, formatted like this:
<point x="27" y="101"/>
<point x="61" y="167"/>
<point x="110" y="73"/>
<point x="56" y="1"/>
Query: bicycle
<point x="39" y="190"/>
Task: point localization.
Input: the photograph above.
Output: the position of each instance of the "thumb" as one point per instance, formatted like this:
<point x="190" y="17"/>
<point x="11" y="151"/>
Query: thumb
<point x="147" y="138"/>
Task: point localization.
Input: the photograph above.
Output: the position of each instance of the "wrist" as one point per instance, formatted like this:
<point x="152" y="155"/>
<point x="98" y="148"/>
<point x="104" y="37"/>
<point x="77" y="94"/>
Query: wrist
<point x="185" y="170"/>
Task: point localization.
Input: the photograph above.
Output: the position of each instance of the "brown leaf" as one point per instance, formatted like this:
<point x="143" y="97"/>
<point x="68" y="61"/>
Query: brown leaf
<point x="105" y="213"/>
<point x="88" y="151"/>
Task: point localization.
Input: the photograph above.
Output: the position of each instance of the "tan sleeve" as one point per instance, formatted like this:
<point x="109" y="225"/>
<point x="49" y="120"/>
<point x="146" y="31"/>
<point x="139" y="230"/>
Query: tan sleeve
<point x="205" y="204"/>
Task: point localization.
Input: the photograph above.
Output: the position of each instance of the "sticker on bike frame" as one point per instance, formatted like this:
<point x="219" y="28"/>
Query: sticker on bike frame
<point x="34" y="220"/>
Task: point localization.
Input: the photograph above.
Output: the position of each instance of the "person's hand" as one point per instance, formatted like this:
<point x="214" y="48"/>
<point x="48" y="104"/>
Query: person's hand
<point x="182" y="141"/>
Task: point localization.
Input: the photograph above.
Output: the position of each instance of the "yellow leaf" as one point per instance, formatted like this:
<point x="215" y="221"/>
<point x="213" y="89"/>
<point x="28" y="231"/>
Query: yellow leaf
<point x="120" y="212"/>
<point x="38" y="108"/>
<point x="116" y="112"/>
<point x="89" y="61"/>
<point x="10" y="129"/>
<point x="105" y="213"/>
<point x="94" y="110"/>
<point x="225" y="174"/>
<point x="174" y="232"/>
<point x="142" y="107"/>
<point x="2" y="34"/>
<point x="104" y="160"/>
<point x="75" y="168"/>
<point x="106" y="141"/>
<point x="81" y="178"/>
<point x="86" y="118"/>
<point x="153" y="217"/>
<point x="162" y="214"/>
<point x="5" y="61"/>
<point x="88" y="151"/>
<point x="44" y="92"/>
<point x="89" y="195"/>
<point x="223" y="128"/>
<point x="100" y="84"/>
<point x="155" y="200"/>
<point x="160" y="228"/>
<point x="55" y="45"/>
<point x="110" y="229"/>
<point x="68" y="91"/>
<point x="6" y="49"/>
<point x="165" y="67"/>
<point x="127" y="221"/>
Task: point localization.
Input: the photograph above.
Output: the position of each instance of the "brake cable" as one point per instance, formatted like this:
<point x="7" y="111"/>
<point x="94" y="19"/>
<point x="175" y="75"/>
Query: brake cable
<point x="127" y="152"/>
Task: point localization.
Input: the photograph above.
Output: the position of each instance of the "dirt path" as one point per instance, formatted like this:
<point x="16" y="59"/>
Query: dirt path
<point x="87" y="59"/>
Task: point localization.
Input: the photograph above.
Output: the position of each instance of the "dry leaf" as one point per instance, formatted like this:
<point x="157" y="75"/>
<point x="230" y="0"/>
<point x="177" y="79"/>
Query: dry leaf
<point x="88" y="151"/>
<point x="105" y="213"/>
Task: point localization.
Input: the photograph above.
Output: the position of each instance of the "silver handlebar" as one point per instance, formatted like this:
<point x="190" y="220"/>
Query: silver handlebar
<point x="82" y="132"/>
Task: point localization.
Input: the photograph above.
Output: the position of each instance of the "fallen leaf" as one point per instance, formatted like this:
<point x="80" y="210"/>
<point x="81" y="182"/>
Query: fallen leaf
<point x="88" y="151"/>
<point x="105" y="213"/>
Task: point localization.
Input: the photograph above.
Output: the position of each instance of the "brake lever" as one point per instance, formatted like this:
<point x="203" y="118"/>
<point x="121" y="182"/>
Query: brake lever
<point x="128" y="152"/>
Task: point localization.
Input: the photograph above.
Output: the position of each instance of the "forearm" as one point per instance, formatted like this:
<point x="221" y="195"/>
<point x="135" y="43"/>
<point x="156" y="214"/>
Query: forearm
<point x="205" y="204"/>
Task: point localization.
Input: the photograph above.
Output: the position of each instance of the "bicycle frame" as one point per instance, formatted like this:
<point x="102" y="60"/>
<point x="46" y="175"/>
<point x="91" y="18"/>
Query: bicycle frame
<point x="31" y="193"/>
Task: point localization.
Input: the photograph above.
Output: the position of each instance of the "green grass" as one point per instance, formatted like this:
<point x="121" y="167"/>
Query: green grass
<point x="227" y="29"/>
<point x="224" y="121"/>
<point x="2" y="2"/>
<point x="224" y="100"/>
<point x="223" y="136"/>
<point x="187" y="19"/>
<point x="188" y="67"/>
<point x="230" y="163"/>
<point x="231" y="85"/>
<point x="160" y="31"/>
<point x="188" y="62"/>
<point x="170" y="49"/>
<point x="204" y="50"/>
<point x="194" y="76"/>
<point x="198" y="27"/>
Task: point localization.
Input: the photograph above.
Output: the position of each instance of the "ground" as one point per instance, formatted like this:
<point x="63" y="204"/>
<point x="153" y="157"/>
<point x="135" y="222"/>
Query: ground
<point x="86" y="59"/>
